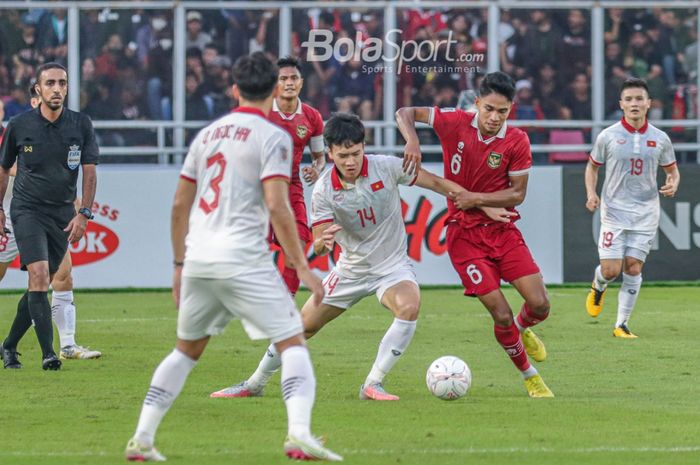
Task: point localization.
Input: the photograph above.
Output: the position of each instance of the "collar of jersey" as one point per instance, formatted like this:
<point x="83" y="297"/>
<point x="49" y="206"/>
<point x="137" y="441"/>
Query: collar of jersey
<point x="276" y="108"/>
<point x="631" y="128"/>
<point x="47" y="122"/>
<point x="251" y="110"/>
<point x="337" y="183"/>
<point x="501" y="134"/>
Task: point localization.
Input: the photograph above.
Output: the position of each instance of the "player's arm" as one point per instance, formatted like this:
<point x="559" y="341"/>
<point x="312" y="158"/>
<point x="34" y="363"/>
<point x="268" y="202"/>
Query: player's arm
<point x="324" y="237"/>
<point x="406" y="118"/>
<point x="506" y="198"/>
<point x="673" y="179"/>
<point x="276" y="195"/>
<point x="591" y="182"/>
<point x="318" y="164"/>
<point x="8" y="159"/>
<point x="76" y="227"/>
<point x="428" y="180"/>
<point x="179" y="225"/>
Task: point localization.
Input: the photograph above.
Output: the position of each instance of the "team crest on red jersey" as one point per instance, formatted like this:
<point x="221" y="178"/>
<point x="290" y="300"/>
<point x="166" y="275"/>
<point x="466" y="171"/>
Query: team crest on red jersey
<point x="302" y="131"/>
<point x="494" y="160"/>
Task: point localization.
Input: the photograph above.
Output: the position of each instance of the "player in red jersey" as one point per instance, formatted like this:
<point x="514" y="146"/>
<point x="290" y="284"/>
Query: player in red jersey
<point x="491" y="161"/>
<point x="305" y="125"/>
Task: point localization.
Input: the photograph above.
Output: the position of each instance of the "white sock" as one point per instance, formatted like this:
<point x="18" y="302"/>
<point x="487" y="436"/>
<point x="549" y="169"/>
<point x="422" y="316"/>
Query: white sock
<point x="298" y="389"/>
<point x="600" y="282"/>
<point x="166" y="385"/>
<point x="392" y="346"/>
<point x="530" y="372"/>
<point x="627" y="297"/>
<point x="268" y="366"/>
<point x="63" y="312"/>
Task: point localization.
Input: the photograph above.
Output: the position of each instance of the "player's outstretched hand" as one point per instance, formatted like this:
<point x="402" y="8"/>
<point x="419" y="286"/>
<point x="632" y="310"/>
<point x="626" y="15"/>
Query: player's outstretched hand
<point x="312" y="282"/>
<point x="411" y="158"/>
<point x="499" y="214"/>
<point x="76" y="228"/>
<point x="669" y="189"/>
<point x="177" y="279"/>
<point x="593" y="202"/>
<point x="328" y="236"/>
<point x="310" y="174"/>
<point x="464" y="200"/>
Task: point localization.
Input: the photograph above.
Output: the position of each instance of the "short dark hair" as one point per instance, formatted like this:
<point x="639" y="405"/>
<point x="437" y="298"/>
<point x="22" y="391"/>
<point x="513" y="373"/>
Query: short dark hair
<point x="255" y="75"/>
<point x="499" y="83"/>
<point x="634" y="82"/>
<point x="46" y="67"/>
<point x="288" y="61"/>
<point x="343" y="129"/>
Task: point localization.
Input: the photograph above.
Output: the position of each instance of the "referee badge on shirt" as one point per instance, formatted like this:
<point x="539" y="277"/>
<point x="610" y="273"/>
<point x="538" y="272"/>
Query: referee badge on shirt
<point x="74" y="157"/>
<point x="302" y="131"/>
<point x="494" y="160"/>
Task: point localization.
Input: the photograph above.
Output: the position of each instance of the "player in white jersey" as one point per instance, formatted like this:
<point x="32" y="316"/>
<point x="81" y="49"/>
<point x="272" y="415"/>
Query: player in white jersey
<point x="63" y="309"/>
<point x="357" y="204"/>
<point x="631" y="149"/>
<point x="234" y="182"/>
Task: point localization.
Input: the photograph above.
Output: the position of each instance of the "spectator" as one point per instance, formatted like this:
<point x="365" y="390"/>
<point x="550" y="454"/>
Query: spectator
<point x="18" y="102"/>
<point x="577" y="100"/>
<point x="355" y="90"/>
<point x="195" y="36"/>
<point x="574" y="50"/>
<point x="53" y="36"/>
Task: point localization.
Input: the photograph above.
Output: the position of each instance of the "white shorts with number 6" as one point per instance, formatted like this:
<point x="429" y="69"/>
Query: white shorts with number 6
<point x="615" y="243"/>
<point x="344" y="292"/>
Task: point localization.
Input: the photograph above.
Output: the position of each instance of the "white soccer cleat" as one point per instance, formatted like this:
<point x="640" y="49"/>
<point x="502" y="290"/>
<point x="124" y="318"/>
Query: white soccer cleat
<point x="238" y="390"/>
<point x="308" y="449"/>
<point x="137" y="452"/>
<point x="77" y="352"/>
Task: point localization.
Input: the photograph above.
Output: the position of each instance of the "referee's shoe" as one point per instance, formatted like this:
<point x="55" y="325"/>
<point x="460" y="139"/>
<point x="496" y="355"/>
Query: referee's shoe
<point x="51" y="362"/>
<point x="9" y="358"/>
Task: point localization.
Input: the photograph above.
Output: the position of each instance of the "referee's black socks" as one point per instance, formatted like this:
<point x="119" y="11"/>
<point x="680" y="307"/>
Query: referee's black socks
<point x="40" y="311"/>
<point x="22" y="322"/>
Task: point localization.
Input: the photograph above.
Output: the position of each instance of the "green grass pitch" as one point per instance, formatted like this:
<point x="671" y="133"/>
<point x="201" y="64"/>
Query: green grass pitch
<point x="617" y="401"/>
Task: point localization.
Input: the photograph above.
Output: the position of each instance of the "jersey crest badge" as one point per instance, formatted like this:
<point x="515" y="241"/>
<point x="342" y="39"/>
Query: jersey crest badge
<point x="73" y="157"/>
<point x="651" y="143"/>
<point x="376" y="186"/>
<point x="494" y="160"/>
<point x="302" y="131"/>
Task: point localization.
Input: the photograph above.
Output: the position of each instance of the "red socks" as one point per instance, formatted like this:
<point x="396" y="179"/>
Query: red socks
<point x="509" y="338"/>
<point x="527" y="317"/>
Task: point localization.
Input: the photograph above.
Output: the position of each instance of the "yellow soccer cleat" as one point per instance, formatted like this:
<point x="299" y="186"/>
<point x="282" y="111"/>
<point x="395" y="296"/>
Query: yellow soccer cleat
<point x="594" y="301"/>
<point x="536" y="388"/>
<point x="534" y="346"/>
<point x="624" y="332"/>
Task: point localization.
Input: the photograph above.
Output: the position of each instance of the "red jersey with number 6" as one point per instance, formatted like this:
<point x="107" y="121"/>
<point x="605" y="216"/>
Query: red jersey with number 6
<point x="229" y="160"/>
<point x="478" y="164"/>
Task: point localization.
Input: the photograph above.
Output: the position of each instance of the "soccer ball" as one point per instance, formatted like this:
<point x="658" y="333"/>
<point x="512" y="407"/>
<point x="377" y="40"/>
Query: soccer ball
<point x="448" y="377"/>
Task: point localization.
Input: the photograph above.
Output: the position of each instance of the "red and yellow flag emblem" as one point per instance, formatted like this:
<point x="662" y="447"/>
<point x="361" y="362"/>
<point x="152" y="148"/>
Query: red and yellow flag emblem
<point x="379" y="185"/>
<point x="651" y="143"/>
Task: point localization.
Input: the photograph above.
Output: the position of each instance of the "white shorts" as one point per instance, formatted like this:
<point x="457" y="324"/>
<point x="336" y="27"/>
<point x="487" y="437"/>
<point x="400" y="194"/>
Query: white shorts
<point x="616" y="244"/>
<point x="8" y="245"/>
<point x="344" y="292"/>
<point x="257" y="296"/>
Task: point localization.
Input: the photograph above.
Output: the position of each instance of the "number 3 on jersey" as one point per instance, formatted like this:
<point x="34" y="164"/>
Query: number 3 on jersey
<point x="220" y="163"/>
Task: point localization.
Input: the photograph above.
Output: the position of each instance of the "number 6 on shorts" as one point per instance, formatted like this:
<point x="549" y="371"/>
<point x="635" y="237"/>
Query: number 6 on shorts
<point x="474" y="274"/>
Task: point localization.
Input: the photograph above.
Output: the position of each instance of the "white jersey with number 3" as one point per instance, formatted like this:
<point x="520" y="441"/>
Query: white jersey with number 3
<point x="373" y="238"/>
<point x="229" y="160"/>
<point x="630" y="195"/>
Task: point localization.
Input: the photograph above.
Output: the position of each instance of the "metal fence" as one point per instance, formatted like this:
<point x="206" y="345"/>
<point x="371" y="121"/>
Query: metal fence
<point x="170" y="135"/>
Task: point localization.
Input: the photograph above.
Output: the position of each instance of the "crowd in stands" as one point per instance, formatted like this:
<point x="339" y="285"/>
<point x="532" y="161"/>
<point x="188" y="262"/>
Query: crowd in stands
<point x="127" y="55"/>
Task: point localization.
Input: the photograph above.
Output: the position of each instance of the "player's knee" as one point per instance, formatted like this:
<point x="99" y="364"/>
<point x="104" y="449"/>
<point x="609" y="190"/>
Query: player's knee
<point x="407" y="311"/>
<point x="610" y="272"/>
<point x="503" y="317"/>
<point x="39" y="277"/>
<point x="540" y="305"/>
<point x="62" y="282"/>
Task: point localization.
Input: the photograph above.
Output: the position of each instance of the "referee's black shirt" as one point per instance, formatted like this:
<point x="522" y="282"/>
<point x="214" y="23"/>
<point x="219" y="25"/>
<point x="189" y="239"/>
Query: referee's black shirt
<point x="49" y="155"/>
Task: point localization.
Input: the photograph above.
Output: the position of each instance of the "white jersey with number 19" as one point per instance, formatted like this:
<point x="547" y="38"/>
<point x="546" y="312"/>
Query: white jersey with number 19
<point x="228" y="224"/>
<point x="630" y="195"/>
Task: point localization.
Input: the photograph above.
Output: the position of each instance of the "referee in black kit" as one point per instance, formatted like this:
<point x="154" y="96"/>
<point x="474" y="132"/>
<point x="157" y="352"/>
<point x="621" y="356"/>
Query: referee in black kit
<point x="48" y="143"/>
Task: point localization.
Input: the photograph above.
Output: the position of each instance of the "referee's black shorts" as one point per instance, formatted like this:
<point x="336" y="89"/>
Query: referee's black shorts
<point x="40" y="236"/>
